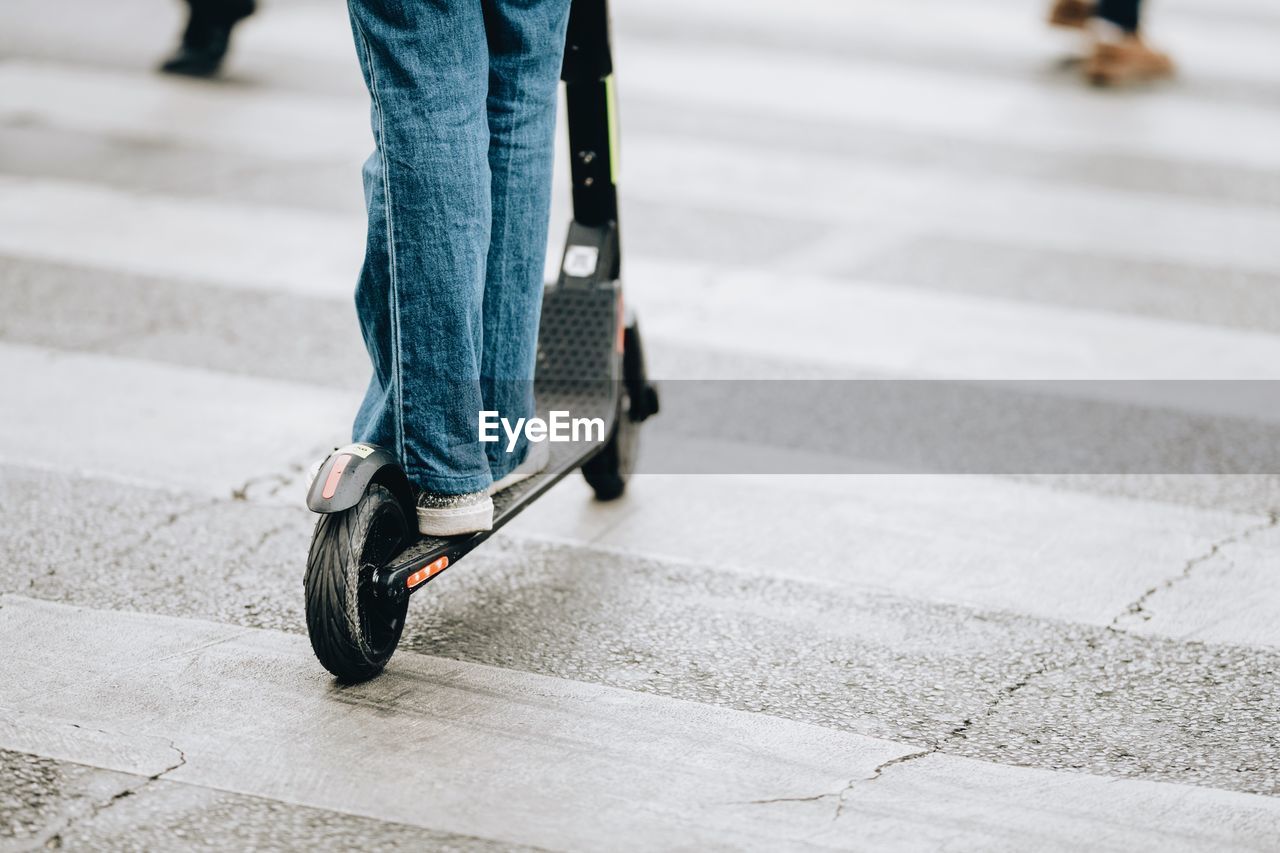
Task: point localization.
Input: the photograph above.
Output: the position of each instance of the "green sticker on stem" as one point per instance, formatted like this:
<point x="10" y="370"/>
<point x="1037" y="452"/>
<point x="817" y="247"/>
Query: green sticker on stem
<point x="611" y="106"/>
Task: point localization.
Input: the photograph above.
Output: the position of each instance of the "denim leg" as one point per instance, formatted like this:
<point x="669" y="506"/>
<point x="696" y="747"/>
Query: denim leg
<point x="526" y="47"/>
<point x="421" y="290"/>
<point x="1125" y="14"/>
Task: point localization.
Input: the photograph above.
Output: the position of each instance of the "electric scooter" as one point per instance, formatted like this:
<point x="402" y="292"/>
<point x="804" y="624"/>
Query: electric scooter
<point x="367" y="557"/>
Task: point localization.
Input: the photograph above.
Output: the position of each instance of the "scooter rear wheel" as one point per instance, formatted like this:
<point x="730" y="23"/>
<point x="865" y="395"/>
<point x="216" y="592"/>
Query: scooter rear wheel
<point x="353" y="630"/>
<point x="609" y="470"/>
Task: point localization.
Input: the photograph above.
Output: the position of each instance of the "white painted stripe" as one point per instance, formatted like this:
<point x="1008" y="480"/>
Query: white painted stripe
<point x="1057" y="555"/>
<point x="984" y="543"/>
<point x="848" y="89"/>
<point x="1225" y="8"/>
<point x="1204" y="45"/>
<point x="528" y="759"/>
<point x="1232" y="597"/>
<point x="914" y="333"/>
<point x="158" y="424"/>
<point x="1211" y="34"/>
<point x="295" y="127"/>
<point x="253" y="246"/>
<point x="866" y="326"/>
<point x="724" y="178"/>
<point x="837" y="92"/>
<point x="862" y="326"/>
<point x="833" y="191"/>
<point x="712" y="176"/>
<point x="954" y="105"/>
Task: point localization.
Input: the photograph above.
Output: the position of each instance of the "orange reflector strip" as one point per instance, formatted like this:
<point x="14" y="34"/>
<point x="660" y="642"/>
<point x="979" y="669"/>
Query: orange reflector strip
<point x="428" y="572"/>
<point x="335" y="474"/>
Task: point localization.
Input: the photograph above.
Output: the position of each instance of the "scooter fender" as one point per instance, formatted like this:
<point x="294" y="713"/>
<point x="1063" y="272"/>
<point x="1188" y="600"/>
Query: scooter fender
<point x="347" y="473"/>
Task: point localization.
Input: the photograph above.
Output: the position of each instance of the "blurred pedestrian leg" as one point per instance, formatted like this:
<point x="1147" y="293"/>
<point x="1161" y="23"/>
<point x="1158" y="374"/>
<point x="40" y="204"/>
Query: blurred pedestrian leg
<point x="1072" y="14"/>
<point x="1118" y="54"/>
<point x="207" y="36"/>
<point x="1125" y="14"/>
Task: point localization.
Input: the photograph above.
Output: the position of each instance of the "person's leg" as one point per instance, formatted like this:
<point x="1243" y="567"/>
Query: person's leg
<point x="526" y="49"/>
<point x="1071" y="14"/>
<point x="421" y="289"/>
<point x="207" y="36"/>
<point x="1125" y="14"/>
<point x="1120" y="55"/>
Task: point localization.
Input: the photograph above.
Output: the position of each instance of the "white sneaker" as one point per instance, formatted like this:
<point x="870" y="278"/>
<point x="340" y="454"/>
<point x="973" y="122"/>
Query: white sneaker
<point x="535" y="461"/>
<point x="459" y="515"/>
<point x="454" y="515"/>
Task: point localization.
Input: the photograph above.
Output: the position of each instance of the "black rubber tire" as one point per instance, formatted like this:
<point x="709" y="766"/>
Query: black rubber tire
<point x="353" y="632"/>
<point x="608" y="471"/>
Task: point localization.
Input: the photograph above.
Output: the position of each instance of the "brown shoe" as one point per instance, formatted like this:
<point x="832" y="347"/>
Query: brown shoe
<point x="1072" y="14"/>
<point x="1130" y="60"/>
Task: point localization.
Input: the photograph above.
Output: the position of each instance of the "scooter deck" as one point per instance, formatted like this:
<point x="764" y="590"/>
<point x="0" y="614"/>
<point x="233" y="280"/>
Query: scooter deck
<point x="579" y="372"/>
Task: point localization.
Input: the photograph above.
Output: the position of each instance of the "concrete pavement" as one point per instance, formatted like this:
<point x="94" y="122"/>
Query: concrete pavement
<point x="720" y="662"/>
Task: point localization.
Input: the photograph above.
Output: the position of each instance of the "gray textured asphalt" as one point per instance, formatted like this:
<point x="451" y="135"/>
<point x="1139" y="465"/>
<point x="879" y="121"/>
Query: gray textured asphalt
<point x="952" y="681"/>
<point x="984" y="684"/>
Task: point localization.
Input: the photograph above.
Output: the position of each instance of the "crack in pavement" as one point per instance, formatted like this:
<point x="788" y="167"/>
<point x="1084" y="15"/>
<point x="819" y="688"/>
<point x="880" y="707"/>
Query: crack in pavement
<point x="879" y="770"/>
<point x="241" y="493"/>
<point x="275" y="482"/>
<point x="1137" y="609"/>
<point x="842" y="796"/>
<point x="1044" y="664"/>
<point x="55" y="840"/>
<point x="815" y="798"/>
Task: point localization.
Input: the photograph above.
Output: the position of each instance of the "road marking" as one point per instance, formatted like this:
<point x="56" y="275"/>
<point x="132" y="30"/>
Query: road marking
<point x="157" y="424"/>
<point x="917" y="333"/>
<point x="251" y="246"/>
<point x="926" y="201"/>
<point x="1232" y="596"/>
<point x="1053" y="554"/>
<point x="297" y="127"/>
<point x="975" y="34"/>
<point x="953" y="104"/>
<point x="453" y="746"/>
<point x="151" y="108"/>
<point x="877" y="327"/>
<point x="949" y="102"/>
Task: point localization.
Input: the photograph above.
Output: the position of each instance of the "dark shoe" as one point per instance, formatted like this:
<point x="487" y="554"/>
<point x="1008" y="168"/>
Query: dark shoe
<point x="202" y="55"/>
<point x="207" y="36"/>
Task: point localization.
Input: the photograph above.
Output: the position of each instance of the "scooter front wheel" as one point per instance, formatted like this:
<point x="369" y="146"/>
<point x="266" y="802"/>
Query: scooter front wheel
<point x="353" y="629"/>
<point x="610" y="469"/>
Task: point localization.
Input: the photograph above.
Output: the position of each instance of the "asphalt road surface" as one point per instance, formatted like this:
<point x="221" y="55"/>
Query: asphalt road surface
<point x="811" y="189"/>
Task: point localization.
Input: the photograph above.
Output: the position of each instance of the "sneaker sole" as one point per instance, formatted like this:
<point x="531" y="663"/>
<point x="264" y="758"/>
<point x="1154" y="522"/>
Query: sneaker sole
<point x="456" y="521"/>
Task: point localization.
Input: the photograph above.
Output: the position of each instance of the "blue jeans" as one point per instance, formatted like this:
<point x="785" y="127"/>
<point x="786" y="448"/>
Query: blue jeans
<point x="458" y="191"/>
